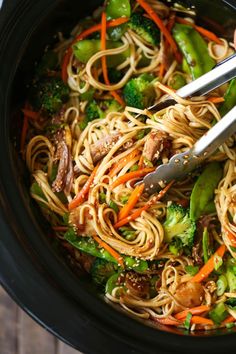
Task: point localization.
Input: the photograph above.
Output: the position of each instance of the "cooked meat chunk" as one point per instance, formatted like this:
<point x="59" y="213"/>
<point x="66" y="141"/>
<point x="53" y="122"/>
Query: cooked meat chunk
<point x="189" y="295"/>
<point x="137" y="284"/>
<point x="65" y="172"/>
<point x="103" y="146"/>
<point x="156" y="142"/>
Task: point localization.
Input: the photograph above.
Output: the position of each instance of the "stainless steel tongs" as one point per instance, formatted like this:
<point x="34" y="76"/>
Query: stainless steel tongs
<point x="182" y="164"/>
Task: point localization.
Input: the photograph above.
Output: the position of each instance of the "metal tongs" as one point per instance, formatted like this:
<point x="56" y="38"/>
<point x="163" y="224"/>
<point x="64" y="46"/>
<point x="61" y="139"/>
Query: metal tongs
<point x="183" y="164"/>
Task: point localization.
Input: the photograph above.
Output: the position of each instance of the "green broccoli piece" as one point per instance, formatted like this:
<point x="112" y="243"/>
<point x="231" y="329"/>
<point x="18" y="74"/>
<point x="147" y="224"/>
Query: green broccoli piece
<point x="49" y="94"/>
<point x="178" y="226"/>
<point x="102" y="270"/>
<point x="145" y="28"/>
<point x="231" y="274"/>
<point x="95" y="110"/>
<point x="139" y="92"/>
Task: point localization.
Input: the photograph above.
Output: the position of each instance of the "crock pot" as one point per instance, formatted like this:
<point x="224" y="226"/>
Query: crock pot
<point x="31" y="270"/>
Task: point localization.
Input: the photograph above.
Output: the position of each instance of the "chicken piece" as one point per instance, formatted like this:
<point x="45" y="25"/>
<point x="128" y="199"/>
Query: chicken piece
<point x="101" y="148"/>
<point x="156" y="142"/>
<point x="189" y="295"/>
<point x="137" y="284"/>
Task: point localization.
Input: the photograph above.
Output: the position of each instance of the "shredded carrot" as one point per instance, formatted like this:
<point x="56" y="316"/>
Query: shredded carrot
<point x="208" y="34"/>
<point x="30" y="114"/>
<point x="201" y="320"/>
<point x="231" y="236"/>
<point x="209" y="266"/>
<point x="139" y="211"/>
<point x="141" y="161"/>
<point x="168" y="321"/>
<point x="216" y="99"/>
<point x="80" y="198"/>
<point x="104" y="61"/>
<point x="122" y="163"/>
<point x="161" y="26"/>
<point x="194" y="311"/>
<point x="183" y="202"/>
<point x="109" y="249"/>
<point x="24" y="133"/>
<point x="161" y="70"/>
<point x="229" y="319"/>
<point x="130" y="175"/>
<point x="133" y="199"/>
<point x="84" y="34"/>
<point x="171" y="22"/>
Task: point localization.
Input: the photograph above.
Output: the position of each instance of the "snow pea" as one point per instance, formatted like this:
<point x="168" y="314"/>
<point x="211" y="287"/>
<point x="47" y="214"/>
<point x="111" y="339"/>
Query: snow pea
<point x="115" y="9"/>
<point x="90" y="246"/>
<point x="194" y="49"/>
<point x="85" y="49"/>
<point x="205" y="245"/>
<point x="203" y="190"/>
<point x="230" y="98"/>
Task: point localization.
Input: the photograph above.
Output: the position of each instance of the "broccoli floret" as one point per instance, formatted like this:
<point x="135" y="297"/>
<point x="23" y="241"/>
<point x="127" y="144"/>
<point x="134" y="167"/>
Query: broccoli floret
<point x="231" y="274"/>
<point x="139" y="92"/>
<point x="102" y="270"/>
<point x="49" y="94"/>
<point x="95" y="110"/>
<point x="178" y="226"/>
<point x="145" y="28"/>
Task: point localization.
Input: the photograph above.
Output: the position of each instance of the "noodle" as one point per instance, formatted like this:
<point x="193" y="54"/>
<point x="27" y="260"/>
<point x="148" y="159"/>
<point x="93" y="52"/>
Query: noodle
<point x="86" y="156"/>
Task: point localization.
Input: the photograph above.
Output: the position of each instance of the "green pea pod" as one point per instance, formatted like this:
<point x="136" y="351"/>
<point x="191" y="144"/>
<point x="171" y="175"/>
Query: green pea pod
<point x="205" y="245"/>
<point x="90" y="246"/>
<point x="203" y="190"/>
<point x="118" y="8"/>
<point x="230" y="98"/>
<point x="194" y="49"/>
<point x="111" y="283"/>
<point x="85" y="49"/>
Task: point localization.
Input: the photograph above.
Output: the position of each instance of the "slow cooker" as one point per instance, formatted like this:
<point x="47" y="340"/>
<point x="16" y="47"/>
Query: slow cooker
<point x="31" y="270"/>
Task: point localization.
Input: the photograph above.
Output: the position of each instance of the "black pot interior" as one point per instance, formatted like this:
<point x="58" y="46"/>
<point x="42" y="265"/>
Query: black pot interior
<point x="32" y="269"/>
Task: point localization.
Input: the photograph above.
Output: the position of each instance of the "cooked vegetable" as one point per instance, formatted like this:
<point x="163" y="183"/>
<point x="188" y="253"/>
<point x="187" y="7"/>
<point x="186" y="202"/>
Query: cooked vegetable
<point x="209" y="266"/>
<point x="221" y="285"/>
<point x="112" y="282"/>
<point x="145" y="28"/>
<point x="229" y="98"/>
<point x="194" y="49"/>
<point x="131" y="175"/>
<point x="102" y="270"/>
<point x="177" y="81"/>
<point x="139" y="92"/>
<point x="85" y="49"/>
<point x="115" y="9"/>
<point x="133" y="199"/>
<point x="231" y="274"/>
<point x="178" y="225"/>
<point x="90" y="246"/>
<point x="218" y="313"/>
<point x="205" y="245"/>
<point x="49" y="94"/>
<point x="203" y="190"/>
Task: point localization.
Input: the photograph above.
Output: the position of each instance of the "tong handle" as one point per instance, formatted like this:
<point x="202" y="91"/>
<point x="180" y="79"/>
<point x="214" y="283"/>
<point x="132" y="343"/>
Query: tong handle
<point x="220" y="74"/>
<point x="215" y="136"/>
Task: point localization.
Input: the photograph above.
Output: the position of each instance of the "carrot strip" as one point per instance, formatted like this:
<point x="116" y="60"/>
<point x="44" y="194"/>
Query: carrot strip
<point x="84" y="34"/>
<point x="161" y="70"/>
<point x="208" y="34"/>
<point x="201" y="320"/>
<point x="139" y="211"/>
<point x="109" y="249"/>
<point x="30" y="114"/>
<point x="24" y="133"/>
<point x="79" y="199"/>
<point x="161" y="26"/>
<point x="231" y="236"/>
<point x="168" y="321"/>
<point x="130" y="175"/>
<point x="195" y="311"/>
<point x="209" y="266"/>
<point x="171" y="22"/>
<point x="133" y="199"/>
<point x="229" y="319"/>
<point x="141" y="161"/>
<point x="216" y="99"/>
<point x="122" y="163"/>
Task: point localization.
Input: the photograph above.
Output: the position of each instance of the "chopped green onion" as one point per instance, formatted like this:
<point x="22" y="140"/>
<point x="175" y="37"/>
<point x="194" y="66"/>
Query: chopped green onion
<point x="124" y="199"/>
<point x="192" y="270"/>
<point x="221" y="285"/>
<point x="233" y="248"/>
<point x="147" y="162"/>
<point x="187" y="321"/>
<point x="229" y="325"/>
<point x="134" y="168"/>
<point x="218" y="261"/>
<point x="114" y="206"/>
<point x="218" y="313"/>
<point x="102" y="197"/>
